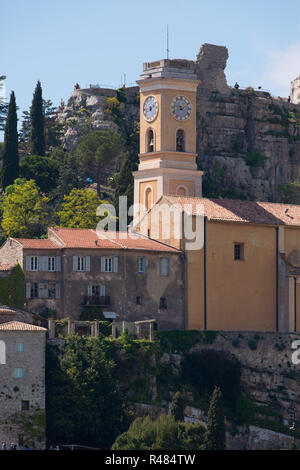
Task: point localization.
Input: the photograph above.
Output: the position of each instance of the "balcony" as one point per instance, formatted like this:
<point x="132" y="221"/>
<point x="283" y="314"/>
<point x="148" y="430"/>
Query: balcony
<point x="95" y="301"/>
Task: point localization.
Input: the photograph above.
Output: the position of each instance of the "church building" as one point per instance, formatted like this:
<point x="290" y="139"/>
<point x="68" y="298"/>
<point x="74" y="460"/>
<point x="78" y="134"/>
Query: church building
<point x="245" y="273"/>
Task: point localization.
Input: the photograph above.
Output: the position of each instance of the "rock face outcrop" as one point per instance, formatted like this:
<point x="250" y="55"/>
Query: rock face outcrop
<point x="248" y="142"/>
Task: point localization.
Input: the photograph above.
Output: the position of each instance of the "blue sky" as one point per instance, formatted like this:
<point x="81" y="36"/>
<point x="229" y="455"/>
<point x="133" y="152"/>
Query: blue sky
<point x="61" y="42"/>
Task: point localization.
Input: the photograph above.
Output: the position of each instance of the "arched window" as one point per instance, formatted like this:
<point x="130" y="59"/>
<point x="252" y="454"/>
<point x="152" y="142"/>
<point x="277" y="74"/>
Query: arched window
<point x="150" y="140"/>
<point x="180" y="141"/>
<point x="181" y="191"/>
<point x="2" y="352"/>
<point x="148" y="198"/>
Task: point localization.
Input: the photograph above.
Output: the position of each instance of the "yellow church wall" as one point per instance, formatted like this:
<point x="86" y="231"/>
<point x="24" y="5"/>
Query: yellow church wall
<point x="241" y="295"/>
<point x="189" y="185"/>
<point x="146" y="184"/>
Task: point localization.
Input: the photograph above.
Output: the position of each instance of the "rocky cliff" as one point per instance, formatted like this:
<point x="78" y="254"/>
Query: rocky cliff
<point x="248" y="142"/>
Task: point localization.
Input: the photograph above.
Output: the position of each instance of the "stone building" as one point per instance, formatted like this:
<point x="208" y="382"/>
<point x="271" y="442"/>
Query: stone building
<point x="22" y="383"/>
<point x="131" y="278"/>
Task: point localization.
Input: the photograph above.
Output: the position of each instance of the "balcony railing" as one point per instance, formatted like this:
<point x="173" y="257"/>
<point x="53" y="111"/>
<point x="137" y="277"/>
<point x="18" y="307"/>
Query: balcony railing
<point x="97" y="301"/>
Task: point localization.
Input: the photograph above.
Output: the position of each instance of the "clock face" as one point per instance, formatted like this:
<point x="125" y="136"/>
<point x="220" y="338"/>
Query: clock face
<point x="150" y="108"/>
<point x="181" y="108"/>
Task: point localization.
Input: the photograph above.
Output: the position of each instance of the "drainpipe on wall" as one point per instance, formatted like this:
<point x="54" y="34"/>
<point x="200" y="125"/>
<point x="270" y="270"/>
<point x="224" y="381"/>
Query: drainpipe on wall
<point x="295" y="304"/>
<point x="277" y="276"/>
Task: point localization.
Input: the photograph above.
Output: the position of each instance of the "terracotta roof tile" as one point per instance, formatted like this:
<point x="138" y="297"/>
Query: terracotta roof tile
<point x="43" y="243"/>
<point x="88" y="238"/>
<point x="6" y="267"/>
<point x="20" y="326"/>
<point x="240" y="211"/>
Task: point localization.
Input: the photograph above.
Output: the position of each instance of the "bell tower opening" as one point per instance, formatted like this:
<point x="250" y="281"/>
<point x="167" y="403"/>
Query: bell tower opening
<point x="148" y="199"/>
<point x="150" y="140"/>
<point x="180" y="141"/>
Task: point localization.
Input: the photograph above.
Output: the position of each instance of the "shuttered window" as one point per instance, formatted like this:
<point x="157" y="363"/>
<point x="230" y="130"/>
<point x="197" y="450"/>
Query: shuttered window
<point x="141" y="261"/>
<point x="51" y="263"/>
<point x="32" y="263"/>
<point x="81" y="263"/>
<point x="164" y="267"/>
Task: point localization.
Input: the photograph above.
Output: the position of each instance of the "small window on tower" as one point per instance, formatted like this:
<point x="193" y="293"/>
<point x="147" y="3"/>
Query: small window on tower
<point x="239" y="251"/>
<point x="180" y="144"/>
<point x="150" y="141"/>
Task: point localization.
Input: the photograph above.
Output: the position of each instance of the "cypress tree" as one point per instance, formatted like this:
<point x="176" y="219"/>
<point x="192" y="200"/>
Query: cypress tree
<point x="215" y="431"/>
<point x="37" y="137"/>
<point x="10" y="158"/>
<point x="177" y="407"/>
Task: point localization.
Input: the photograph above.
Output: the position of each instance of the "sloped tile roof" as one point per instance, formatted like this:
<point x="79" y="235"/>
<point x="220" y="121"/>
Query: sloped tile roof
<point x="232" y="210"/>
<point x="43" y="243"/>
<point x="88" y="238"/>
<point x="6" y="267"/>
<point x="20" y="326"/>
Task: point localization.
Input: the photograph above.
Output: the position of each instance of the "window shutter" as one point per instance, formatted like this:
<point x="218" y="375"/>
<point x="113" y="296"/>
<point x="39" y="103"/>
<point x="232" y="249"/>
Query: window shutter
<point x="87" y="263"/>
<point x="43" y="263"/>
<point x="43" y="291"/>
<point x="115" y="264"/>
<point x="57" y="291"/>
<point x="28" y="290"/>
<point x="102" y="291"/>
<point x="143" y="264"/>
<point x="57" y="263"/>
<point x="90" y="291"/>
<point x="164" y="267"/>
<point x="102" y="264"/>
<point x="28" y="263"/>
<point x="75" y="263"/>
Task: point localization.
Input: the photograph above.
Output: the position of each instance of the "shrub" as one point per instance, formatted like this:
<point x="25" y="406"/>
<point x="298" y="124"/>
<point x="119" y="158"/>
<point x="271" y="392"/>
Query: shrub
<point x="176" y="341"/>
<point x="92" y="313"/>
<point x="256" y="159"/>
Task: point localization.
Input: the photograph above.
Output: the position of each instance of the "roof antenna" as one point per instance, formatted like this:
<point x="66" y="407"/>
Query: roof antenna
<point x="168" y="41"/>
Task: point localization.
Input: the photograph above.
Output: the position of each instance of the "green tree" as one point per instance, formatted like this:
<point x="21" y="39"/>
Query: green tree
<point x="3" y="105"/>
<point x="177" y="407"/>
<point x="24" y="210"/>
<point x="83" y="402"/>
<point x="163" y="434"/>
<point x="37" y="134"/>
<point x="41" y="169"/>
<point x="70" y="175"/>
<point x="288" y="193"/>
<point x="215" y="431"/>
<point x="53" y="129"/>
<point x="96" y="153"/>
<point x="10" y="157"/>
<point x="79" y="209"/>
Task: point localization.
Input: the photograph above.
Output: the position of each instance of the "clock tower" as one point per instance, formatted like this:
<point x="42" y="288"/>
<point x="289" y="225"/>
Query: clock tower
<point x="168" y="91"/>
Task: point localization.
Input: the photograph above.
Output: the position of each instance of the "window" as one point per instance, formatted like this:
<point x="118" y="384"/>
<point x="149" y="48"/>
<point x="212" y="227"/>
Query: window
<point x="51" y="290"/>
<point x="180" y="144"/>
<point x="20" y="347"/>
<point x="164" y="267"/>
<point x="25" y="405"/>
<point x="141" y="260"/>
<point x="2" y="352"/>
<point x="80" y="264"/>
<point x="239" y="251"/>
<point x="34" y="263"/>
<point x="150" y="141"/>
<point x="34" y="291"/>
<point x="138" y="300"/>
<point x="163" y="302"/>
<point x="18" y="373"/>
<point x="108" y="265"/>
<point x="51" y="263"/>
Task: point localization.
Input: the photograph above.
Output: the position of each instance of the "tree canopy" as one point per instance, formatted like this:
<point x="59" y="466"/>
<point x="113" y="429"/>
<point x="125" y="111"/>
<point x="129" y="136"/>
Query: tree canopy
<point x="24" y="210"/>
<point x="96" y="152"/>
<point x="37" y="136"/>
<point x="3" y="105"/>
<point x="79" y="209"/>
<point x="83" y="402"/>
<point x="163" y="434"/>
<point x="41" y="169"/>
<point x="215" y="431"/>
<point x="10" y="156"/>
